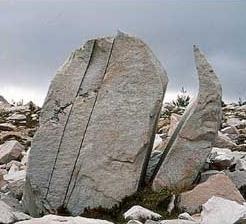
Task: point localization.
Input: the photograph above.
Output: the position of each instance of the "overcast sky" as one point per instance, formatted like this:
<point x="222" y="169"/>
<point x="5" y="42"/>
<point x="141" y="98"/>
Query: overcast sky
<point x="37" y="36"/>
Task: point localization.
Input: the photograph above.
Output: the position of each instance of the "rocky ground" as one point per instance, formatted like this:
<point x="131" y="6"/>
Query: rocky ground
<point x="218" y="196"/>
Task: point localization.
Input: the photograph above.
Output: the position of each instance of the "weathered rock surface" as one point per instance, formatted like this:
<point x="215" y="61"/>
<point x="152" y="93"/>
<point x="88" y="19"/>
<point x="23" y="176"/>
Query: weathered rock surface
<point x="97" y="124"/>
<point x="217" y="185"/>
<point x="173" y="221"/>
<point x="141" y="214"/>
<point x="192" y="140"/>
<point x="219" y="210"/>
<point x="54" y="219"/>
<point x="10" y="150"/>
<point x="9" y="215"/>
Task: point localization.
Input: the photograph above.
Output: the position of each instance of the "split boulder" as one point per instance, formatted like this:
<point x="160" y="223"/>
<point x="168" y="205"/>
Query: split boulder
<point x="97" y="127"/>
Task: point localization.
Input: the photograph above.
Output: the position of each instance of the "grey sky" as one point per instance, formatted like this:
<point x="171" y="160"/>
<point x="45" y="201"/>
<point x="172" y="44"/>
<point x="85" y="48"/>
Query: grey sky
<point x="38" y="35"/>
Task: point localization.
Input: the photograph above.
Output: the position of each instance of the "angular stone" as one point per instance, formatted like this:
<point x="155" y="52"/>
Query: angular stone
<point x="192" y="140"/>
<point x="10" y="150"/>
<point x="141" y="214"/>
<point x="55" y="219"/>
<point x="217" y="185"/>
<point x="9" y="215"/>
<point x="97" y="124"/>
<point x="218" y="210"/>
<point x="222" y="141"/>
<point x="7" y="127"/>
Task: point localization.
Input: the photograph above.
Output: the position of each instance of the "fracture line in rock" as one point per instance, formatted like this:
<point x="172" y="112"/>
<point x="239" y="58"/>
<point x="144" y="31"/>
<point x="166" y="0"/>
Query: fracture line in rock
<point x="69" y="113"/>
<point x="82" y="141"/>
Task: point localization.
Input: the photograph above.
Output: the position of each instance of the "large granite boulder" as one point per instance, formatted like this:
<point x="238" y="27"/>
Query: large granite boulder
<point x="97" y="128"/>
<point x="192" y="140"/>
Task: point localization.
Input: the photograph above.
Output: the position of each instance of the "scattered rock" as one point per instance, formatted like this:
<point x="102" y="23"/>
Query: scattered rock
<point x="9" y="215"/>
<point x="218" y="210"/>
<point x="10" y="150"/>
<point x="7" y="127"/>
<point x="54" y="219"/>
<point x="141" y="214"/>
<point x="134" y="222"/>
<point x="17" y="118"/>
<point x="205" y="175"/>
<point x="192" y="140"/>
<point x="186" y="216"/>
<point x="216" y="185"/>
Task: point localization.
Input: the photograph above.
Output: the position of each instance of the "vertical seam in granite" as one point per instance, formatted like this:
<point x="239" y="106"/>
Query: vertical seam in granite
<point x="64" y="129"/>
<point x="82" y="141"/>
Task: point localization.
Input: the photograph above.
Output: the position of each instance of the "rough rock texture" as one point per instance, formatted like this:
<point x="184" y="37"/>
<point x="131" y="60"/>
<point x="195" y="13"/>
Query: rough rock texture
<point x="97" y="127"/>
<point x="217" y="185"/>
<point x="173" y="221"/>
<point x="192" y="140"/>
<point x="219" y="210"/>
<point x="10" y="150"/>
<point x="10" y="215"/>
<point x="141" y="214"/>
<point x="54" y="219"/>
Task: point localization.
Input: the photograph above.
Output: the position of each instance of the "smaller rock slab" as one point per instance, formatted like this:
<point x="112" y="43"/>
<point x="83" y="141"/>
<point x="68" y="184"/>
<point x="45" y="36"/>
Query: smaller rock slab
<point x="216" y="185"/>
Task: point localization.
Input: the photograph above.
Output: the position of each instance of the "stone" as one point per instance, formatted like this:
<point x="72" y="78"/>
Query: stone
<point x="11" y="201"/>
<point x="231" y="132"/>
<point x="236" y="122"/>
<point x="221" y="158"/>
<point x="186" y="216"/>
<point x="10" y="150"/>
<point x="241" y="164"/>
<point x="134" y="222"/>
<point x="97" y="124"/>
<point x="222" y="141"/>
<point x="16" y="181"/>
<point x="216" y="185"/>
<point x="173" y="221"/>
<point x="141" y="214"/>
<point x="17" y="117"/>
<point x="3" y="101"/>
<point x="55" y="219"/>
<point x="7" y="127"/>
<point x="191" y="142"/>
<point x="218" y="210"/>
<point x="208" y="173"/>
<point x="9" y="215"/>
<point x="174" y="120"/>
<point x="239" y="179"/>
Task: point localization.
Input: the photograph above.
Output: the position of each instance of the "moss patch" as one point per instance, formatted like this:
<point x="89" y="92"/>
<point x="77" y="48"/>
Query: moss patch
<point x="155" y="201"/>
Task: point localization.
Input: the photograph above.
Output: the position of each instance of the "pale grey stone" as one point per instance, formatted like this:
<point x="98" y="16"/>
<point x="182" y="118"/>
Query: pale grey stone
<point x="7" y="127"/>
<point x="55" y="219"/>
<point x="186" y="216"/>
<point x="97" y="127"/>
<point x="141" y="214"/>
<point x="192" y="140"/>
<point x="134" y="222"/>
<point x="218" y="210"/>
<point x="10" y="150"/>
<point x="17" y="117"/>
<point x="9" y="215"/>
